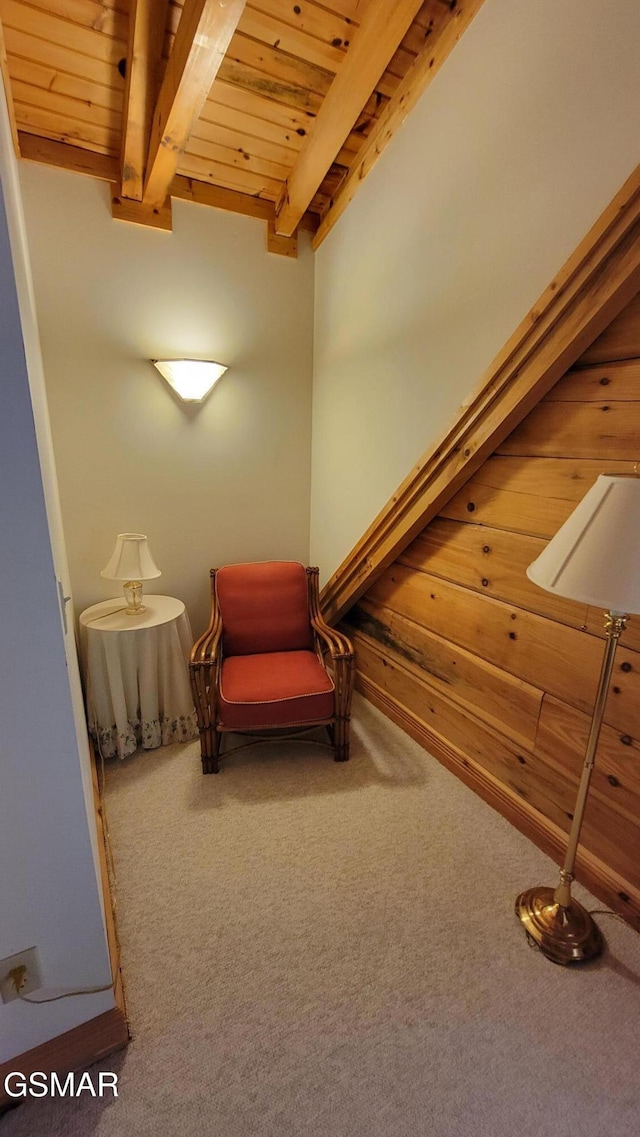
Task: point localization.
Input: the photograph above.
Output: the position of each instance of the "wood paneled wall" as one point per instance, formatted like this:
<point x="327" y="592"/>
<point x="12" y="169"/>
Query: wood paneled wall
<point x="493" y="675"/>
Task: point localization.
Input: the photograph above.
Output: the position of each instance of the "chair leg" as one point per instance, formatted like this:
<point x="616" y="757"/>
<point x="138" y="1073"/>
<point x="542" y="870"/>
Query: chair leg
<point x="209" y="753"/>
<point x="341" y="740"/>
<point x="209" y="748"/>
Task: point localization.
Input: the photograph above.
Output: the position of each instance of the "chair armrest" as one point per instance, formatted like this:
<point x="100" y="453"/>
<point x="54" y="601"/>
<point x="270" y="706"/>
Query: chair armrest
<point x="204" y="664"/>
<point x="338" y="645"/>
<point x="207" y="649"/>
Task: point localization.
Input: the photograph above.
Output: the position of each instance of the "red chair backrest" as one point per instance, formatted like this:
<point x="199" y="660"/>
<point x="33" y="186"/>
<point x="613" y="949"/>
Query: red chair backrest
<point x="264" y="607"/>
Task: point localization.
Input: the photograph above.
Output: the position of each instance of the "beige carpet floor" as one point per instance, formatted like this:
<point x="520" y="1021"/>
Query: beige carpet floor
<point x="313" y="949"/>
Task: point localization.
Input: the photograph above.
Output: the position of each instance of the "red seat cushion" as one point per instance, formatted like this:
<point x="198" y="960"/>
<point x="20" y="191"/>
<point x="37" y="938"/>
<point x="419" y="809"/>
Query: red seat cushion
<point x="282" y="688"/>
<point x="264" y="607"/>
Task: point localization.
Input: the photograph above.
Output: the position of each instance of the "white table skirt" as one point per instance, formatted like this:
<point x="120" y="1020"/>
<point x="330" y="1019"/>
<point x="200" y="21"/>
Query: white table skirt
<point x="136" y="670"/>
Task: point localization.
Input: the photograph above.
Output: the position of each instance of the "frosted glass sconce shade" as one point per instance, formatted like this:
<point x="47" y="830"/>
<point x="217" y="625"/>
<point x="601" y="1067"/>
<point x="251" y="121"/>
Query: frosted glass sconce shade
<point x="191" y="379"/>
<point x="131" y="562"/>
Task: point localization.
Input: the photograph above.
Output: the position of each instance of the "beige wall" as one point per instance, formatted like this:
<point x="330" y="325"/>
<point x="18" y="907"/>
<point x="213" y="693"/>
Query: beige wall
<point x="230" y="482"/>
<point x="523" y="138"/>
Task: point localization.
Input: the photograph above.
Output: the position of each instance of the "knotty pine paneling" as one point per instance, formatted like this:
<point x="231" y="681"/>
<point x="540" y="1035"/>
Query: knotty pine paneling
<point x="562" y="740"/>
<point x="231" y="177"/>
<point x="609" y="383"/>
<point x="65" y="58"/>
<point x="546" y="478"/>
<point x="493" y="563"/>
<point x="58" y="58"/>
<point x="243" y="112"/>
<point x="447" y="719"/>
<point x="40" y="79"/>
<point x="454" y="637"/>
<point x="559" y="659"/>
<point x="621" y="340"/>
<point x="503" y="509"/>
<point x="333" y="29"/>
<point x="608" y="833"/>
<point x="604" y="431"/>
<point x="504" y="702"/>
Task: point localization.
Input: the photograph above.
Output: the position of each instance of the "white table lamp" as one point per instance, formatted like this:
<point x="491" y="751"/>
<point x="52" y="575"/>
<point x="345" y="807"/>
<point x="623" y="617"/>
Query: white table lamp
<point x="594" y="558"/>
<point x="132" y="563"/>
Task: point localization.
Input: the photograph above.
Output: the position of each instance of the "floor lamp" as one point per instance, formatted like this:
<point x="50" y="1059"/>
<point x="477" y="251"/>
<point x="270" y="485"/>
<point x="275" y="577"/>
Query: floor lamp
<point x="594" y="558"/>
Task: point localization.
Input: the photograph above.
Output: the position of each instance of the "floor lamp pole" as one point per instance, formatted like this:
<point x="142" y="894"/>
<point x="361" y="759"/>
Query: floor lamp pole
<point x="563" y="930"/>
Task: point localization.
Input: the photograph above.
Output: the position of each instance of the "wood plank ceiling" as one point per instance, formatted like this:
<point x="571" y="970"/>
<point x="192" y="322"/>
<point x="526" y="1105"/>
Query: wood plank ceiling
<point x="265" y="106"/>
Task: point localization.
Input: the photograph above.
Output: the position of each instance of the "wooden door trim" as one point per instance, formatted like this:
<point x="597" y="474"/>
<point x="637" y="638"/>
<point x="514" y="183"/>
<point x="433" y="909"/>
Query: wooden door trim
<point x="100" y="1036"/>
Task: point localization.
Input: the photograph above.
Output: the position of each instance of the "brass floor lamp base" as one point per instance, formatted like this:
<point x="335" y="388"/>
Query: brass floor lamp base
<point x="564" y="935"/>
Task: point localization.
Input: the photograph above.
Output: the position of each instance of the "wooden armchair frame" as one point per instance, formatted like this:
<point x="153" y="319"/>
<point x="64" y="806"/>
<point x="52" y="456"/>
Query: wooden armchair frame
<point x="206" y="660"/>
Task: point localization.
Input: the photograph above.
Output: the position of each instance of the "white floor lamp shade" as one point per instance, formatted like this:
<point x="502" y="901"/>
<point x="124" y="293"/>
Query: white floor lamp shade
<point x="595" y="556"/>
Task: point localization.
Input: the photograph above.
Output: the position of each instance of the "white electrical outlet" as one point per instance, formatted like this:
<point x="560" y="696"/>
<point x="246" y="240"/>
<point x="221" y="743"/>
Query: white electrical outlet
<point x="20" y="974"/>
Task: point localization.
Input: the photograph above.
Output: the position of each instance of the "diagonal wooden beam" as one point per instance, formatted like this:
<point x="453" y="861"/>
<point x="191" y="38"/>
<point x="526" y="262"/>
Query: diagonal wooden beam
<point x="415" y="82"/>
<point x="204" y="33"/>
<point x="4" y="78"/>
<point x="377" y="39"/>
<point x="147" y="23"/>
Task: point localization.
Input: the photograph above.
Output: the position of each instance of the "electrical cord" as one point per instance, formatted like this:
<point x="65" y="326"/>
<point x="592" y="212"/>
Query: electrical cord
<point x="608" y="912"/>
<point x="66" y="994"/>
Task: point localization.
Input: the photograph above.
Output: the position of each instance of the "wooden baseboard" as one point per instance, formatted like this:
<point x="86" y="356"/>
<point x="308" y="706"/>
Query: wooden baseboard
<point x="607" y="885"/>
<point x="72" y="1050"/>
<point x="104" y="853"/>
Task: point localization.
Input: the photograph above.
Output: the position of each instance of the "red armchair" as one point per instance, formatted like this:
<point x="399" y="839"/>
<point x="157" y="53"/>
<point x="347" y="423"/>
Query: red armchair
<point x="261" y="663"/>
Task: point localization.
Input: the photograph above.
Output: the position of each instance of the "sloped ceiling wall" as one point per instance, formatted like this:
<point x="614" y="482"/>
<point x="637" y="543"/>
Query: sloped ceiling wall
<point x="518" y="145"/>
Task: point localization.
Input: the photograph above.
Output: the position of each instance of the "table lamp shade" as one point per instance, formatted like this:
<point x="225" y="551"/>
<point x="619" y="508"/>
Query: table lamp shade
<point x="595" y="556"/>
<point x="131" y="559"/>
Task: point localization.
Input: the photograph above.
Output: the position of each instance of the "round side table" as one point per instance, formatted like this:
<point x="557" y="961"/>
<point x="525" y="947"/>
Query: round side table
<point x="136" y="673"/>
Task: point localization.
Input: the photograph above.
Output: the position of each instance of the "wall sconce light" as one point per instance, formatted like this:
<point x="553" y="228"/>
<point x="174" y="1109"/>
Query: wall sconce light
<point x="191" y="379"/>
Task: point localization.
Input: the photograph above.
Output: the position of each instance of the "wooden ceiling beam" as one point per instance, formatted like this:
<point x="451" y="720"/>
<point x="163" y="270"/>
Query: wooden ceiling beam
<point x="377" y="39"/>
<point x="147" y="22"/>
<point x="125" y="209"/>
<point x="414" y="84"/>
<point x="4" y="75"/>
<point x="33" y="148"/>
<point x="202" y="38"/>
<point x="50" y="152"/>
